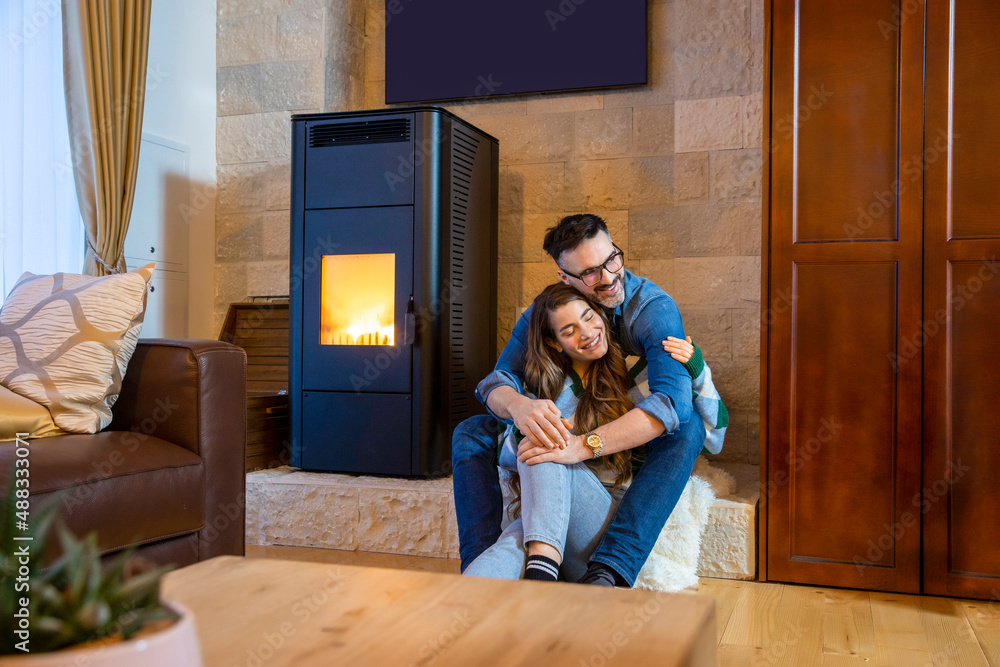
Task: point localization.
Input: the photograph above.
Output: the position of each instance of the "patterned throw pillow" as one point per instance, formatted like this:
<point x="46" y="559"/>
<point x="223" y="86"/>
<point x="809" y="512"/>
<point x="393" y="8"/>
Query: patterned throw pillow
<point x="20" y="415"/>
<point x="66" y="339"/>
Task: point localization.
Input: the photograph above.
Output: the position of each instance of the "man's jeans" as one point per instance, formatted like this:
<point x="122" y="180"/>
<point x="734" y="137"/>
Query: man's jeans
<point x="478" y="500"/>
<point x="566" y="507"/>
<point x="641" y="515"/>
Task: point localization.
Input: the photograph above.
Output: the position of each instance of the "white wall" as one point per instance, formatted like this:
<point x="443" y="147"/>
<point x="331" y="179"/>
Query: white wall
<point x="180" y="106"/>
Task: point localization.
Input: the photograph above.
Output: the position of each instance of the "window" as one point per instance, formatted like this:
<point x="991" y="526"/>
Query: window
<point x="40" y="226"/>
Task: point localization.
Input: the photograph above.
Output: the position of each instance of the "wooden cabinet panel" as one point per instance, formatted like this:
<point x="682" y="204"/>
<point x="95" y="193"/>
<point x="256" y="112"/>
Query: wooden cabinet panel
<point x="971" y="444"/>
<point x="838" y="502"/>
<point x="842" y="435"/>
<point x="836" y="75"/>
<point x="839" y="511"/>
<point x="975" y="57"/>
<point x="958" y="336"/>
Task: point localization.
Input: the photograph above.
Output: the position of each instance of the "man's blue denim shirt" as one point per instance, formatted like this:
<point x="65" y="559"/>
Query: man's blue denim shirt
<point x="646" y="317"/>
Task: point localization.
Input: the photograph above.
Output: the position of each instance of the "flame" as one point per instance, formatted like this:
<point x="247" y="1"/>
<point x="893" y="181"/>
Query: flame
<point x="371" y="327"/>
<point x="357" y="300"/>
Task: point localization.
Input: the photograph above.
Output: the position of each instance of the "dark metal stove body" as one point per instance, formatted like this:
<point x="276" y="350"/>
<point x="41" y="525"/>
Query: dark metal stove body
<point x="393" y="287"/>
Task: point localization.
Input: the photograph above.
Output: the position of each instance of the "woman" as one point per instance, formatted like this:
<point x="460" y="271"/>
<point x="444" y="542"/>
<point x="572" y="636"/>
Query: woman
<point x="565" y="507"/>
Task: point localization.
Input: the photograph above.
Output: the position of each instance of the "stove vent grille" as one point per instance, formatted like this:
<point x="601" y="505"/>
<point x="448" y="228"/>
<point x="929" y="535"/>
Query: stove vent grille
<point x="464" y="152"/>
<point x="363" y="132"/>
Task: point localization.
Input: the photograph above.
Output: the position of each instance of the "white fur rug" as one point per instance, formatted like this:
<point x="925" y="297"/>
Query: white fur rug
<point x="673" y="563"/>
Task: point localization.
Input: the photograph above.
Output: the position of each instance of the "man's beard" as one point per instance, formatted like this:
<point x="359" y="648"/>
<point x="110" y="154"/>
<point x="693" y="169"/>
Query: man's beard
<point x="613" y="300"/>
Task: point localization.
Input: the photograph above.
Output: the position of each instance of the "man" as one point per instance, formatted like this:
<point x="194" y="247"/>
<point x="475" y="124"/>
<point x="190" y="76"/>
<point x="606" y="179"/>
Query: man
<point x="642" y="316"/>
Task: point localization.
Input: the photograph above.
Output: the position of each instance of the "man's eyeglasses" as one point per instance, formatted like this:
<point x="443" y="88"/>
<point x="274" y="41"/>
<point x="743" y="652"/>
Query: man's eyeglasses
<point x="591" y="277"/>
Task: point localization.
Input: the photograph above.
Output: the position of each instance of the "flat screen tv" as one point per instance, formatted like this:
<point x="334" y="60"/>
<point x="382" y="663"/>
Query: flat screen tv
<point x="457" y="49"/>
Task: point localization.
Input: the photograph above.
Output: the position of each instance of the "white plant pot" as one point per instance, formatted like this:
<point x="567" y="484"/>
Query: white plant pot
<point x="171" y="647"/>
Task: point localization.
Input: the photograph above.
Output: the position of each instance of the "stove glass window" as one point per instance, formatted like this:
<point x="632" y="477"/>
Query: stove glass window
<point x="358" y="300"/>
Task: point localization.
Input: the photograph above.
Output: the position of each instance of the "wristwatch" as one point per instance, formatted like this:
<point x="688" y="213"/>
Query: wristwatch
<point x="595" y="443"/>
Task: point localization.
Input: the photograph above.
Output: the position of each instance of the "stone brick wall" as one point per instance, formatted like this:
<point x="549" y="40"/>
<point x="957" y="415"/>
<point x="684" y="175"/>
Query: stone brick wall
<point x="274" y="58"/>
<point x="673" y="166"/>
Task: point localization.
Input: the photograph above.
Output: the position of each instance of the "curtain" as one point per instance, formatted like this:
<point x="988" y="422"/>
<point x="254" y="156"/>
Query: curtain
<point x="40" y="226"/>
<point x="105" y="44"/>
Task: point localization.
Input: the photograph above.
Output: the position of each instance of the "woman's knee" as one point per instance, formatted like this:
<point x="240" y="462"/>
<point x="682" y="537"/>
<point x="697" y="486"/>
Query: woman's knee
<point x="546" y="469"/>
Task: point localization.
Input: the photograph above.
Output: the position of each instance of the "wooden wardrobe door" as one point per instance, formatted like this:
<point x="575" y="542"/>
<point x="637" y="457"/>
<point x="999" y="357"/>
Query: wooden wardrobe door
<point x="961" y="328"/>
<point x="843" y="419"/>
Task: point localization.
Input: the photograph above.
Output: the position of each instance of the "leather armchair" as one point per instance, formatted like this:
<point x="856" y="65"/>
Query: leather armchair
<point x="167" y="475"/>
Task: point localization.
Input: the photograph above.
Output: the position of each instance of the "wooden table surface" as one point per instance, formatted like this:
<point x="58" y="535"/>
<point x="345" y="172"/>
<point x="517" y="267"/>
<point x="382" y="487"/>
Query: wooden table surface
<point x="273" y="612"/>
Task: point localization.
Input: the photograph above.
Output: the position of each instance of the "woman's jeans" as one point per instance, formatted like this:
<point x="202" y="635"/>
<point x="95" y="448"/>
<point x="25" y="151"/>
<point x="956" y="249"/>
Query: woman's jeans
<point x="636" y="524"/>
<point x="566" y="507"/>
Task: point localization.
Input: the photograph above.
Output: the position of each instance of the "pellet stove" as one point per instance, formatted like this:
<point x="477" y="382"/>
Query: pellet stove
<point x="393" y="287"/>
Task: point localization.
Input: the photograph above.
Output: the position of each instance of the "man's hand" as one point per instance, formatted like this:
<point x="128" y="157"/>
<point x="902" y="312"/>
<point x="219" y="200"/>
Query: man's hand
<point x="530" y="453"/>
<point x="540" y="422"/>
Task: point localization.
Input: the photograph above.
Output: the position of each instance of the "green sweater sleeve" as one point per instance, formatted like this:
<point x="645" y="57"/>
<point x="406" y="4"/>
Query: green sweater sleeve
<point x="707" y="402"/>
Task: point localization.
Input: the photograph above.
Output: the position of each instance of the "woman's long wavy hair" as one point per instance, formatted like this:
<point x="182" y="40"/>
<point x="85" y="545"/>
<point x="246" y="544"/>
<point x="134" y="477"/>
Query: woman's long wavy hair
<point x="605" y="382"/>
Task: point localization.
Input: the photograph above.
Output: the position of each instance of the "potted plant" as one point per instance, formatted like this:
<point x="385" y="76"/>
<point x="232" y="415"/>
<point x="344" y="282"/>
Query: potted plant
<point x="77" y="611"/>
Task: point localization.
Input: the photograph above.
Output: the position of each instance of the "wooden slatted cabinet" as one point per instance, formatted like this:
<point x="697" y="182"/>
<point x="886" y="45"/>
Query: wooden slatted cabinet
<point x="261" y="328"/>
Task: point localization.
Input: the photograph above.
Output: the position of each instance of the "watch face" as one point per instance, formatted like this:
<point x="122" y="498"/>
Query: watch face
<point x="593" y="440"/>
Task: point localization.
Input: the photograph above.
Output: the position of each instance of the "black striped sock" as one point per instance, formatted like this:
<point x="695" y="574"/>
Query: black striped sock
<point x="540" y="568"/>
<point x="598" y="574"/>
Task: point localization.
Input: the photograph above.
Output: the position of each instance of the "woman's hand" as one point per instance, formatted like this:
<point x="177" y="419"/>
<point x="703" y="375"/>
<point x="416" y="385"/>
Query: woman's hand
<point x="681" y="350"/>
<point x="540" y="422"/>
<point x="574" y="452"/>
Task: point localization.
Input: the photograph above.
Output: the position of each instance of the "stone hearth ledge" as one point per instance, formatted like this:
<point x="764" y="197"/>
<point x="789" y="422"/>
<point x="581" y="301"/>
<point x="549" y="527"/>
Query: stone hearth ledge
<point x="416" y="517"/>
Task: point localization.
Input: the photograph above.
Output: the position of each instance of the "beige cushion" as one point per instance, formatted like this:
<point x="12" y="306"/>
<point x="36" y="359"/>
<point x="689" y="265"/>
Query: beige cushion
<point x="66" y="339"/>
<point x="20" y="415"/>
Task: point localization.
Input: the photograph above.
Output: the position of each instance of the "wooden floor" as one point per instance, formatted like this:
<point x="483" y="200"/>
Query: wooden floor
<point x="779" y="624"/>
